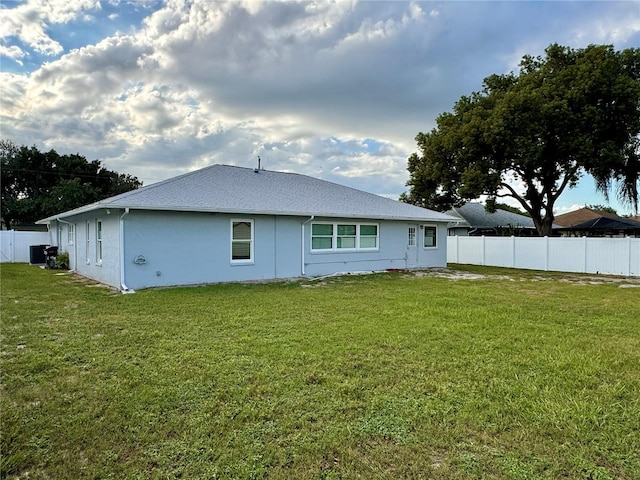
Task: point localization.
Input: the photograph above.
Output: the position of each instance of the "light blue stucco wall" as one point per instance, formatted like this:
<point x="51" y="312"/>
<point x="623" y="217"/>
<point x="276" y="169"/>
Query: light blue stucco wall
<point x="82" y="254"/>
<point x="186" y="248"/>
<point x="392" y="252"/>
<point x="190" y="248"/>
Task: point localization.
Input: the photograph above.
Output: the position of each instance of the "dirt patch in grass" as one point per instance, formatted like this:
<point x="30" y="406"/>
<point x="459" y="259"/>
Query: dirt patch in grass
<point x="456" y="274"/>
<point x="534" y="276"/>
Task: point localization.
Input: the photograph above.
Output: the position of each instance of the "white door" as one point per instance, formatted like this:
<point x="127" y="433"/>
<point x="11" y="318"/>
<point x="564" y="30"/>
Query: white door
<point x="412" y="249"/>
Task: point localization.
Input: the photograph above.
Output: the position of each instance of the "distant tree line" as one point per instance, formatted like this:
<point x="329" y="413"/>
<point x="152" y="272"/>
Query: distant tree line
<point x="37" y="184"/>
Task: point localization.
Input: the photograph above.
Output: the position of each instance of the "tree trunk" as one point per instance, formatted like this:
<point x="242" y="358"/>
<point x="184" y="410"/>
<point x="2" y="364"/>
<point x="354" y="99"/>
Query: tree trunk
<point x="543" y="224"/>
<point x="546" y="228"/>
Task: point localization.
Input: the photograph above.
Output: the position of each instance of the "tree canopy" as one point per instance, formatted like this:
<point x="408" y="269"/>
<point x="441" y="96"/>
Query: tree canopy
<point x="37" y="184"/>
<point x="603" y="208"/>
<point x="533" y="134"/>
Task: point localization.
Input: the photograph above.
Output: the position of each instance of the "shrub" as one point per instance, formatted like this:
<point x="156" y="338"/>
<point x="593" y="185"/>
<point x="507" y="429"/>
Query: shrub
<point x="62" y="260"/>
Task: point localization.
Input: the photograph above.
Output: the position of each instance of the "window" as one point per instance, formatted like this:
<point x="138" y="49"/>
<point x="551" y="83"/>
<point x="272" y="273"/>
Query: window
<point x="368" y="236"/>
<point x="88" y="243"/>
<point x="99" y="242"/>
<point x="241" y="241"/>
<point x="71" y="234"/>
<point x="411" y="240"/>
<point x="430" y="236"/>
<point x="346" y="236"/>
<point x="322" y="236"/>
<point x="343" y="236"/>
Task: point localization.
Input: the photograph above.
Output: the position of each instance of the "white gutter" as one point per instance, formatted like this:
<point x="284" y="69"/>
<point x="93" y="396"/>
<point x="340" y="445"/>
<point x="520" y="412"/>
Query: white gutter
<point x="75" y="243"/>
<point x="303" y="224"/>
<point x="123" y="286"/>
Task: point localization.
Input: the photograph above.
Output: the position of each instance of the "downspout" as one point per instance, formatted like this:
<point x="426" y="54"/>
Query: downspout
<point x="75" y="243"/>
<point x="303" y="224"/>
<point x="123" y="286"/>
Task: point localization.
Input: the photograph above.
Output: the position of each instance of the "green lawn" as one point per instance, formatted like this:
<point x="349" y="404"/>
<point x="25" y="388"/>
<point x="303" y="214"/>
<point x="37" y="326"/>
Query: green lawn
<point x="380" y="376"/>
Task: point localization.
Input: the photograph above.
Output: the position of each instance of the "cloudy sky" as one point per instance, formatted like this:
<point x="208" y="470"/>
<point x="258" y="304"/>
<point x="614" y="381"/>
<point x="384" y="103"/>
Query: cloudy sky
<point x="336" y="90"/>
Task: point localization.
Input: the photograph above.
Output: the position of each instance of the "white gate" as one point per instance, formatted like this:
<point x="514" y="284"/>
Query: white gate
<point x="15" y="245"/>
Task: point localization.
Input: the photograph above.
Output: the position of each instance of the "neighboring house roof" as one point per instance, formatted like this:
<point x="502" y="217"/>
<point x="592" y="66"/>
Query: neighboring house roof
<point x="474" y="215"/>
<point x="230" y="189"/>
<point x="580" y="216"/>
<point x="588" y="219"/>
<point x="604" y="223"/>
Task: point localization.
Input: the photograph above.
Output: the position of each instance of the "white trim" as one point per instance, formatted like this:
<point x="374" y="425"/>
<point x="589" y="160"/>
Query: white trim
<point x="435" y="236"/>
<point x="71" y="232"/>
<point x="412" y="235"/>
<point x="99" y="241"/>
<point x="310" y="219"/>
<point x="123" y="285"/>
<point x="74" y="244"/>
<point x="251" y="241"/>
<point x="358" y="237"/>
<point x="87" y="242"/>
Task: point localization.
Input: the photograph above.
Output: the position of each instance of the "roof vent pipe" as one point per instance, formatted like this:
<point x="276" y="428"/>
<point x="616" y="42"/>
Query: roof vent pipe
<point x="257" y="170"/>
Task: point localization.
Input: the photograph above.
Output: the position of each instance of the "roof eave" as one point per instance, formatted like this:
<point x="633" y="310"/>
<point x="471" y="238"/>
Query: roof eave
<point x="104" y="205"/>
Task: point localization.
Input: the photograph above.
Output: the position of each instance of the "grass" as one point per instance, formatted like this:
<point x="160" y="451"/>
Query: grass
<point x="381" y="376"/>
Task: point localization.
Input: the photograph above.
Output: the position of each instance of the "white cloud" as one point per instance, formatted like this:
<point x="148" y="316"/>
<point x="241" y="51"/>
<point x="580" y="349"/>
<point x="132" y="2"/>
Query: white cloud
<point x="29" y="21"/>
<point x="566" y="209"/>
<point x="303" y="84"/>
<point x="14" y="52"/>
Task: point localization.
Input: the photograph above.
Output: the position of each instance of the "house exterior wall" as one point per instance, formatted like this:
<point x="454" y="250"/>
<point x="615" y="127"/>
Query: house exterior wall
<point x="83" y="252"/>
<point x="188" y="248"/>
<point x="459" y="231"/>
<point x="59" y="234"/>
<point x="392" y="252"/>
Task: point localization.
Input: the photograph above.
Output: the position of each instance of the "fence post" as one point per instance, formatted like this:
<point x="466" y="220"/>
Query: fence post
<point x="484" y="251"/>
<point x="513" y="251"/>
<point x="457" y="249"/>
<point x="629" y="256"/>
<point x="546" y="253"/>
<point x="585" y="263"/>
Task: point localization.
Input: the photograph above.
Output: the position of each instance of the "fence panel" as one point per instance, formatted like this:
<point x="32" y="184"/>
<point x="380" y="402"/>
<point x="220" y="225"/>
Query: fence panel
<point x="567" y="254"/>
<point x="470" y="251"/>
<point x="530" y="253"/>
<point x="500" y="253"/>
<point x="613" y="256"/>
<point x="607" y="255"/>
<point x="15" y="245"/>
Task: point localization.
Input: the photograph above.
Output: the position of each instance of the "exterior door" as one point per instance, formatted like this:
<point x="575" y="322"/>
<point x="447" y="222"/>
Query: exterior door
<point x="412" y="249"/>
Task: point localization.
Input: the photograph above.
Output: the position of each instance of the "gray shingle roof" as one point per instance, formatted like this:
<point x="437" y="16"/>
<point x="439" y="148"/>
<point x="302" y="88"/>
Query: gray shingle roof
<point x="477" y="217"/>
<point x="230" y="189"/>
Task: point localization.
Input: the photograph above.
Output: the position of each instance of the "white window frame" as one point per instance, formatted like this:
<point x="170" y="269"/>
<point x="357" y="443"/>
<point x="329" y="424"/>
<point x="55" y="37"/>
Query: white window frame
<point x="71" y="233"/>
<point x="435" y="236"/>
<point x="358" y="237"/>
<point x="250" y="241"/>
<point x="99" y="235"/>
<point x="88" y="242"/>
<point x="411" y="236"/>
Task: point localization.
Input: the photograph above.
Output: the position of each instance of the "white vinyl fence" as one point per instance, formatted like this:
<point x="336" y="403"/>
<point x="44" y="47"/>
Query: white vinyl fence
<point x="15" y="246"/>
<point x="612" y="256"/>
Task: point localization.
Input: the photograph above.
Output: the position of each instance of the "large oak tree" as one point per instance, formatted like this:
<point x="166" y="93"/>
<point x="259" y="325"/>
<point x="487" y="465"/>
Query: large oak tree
<point x="39" y="184"/>
<point x="533" y="134"/>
